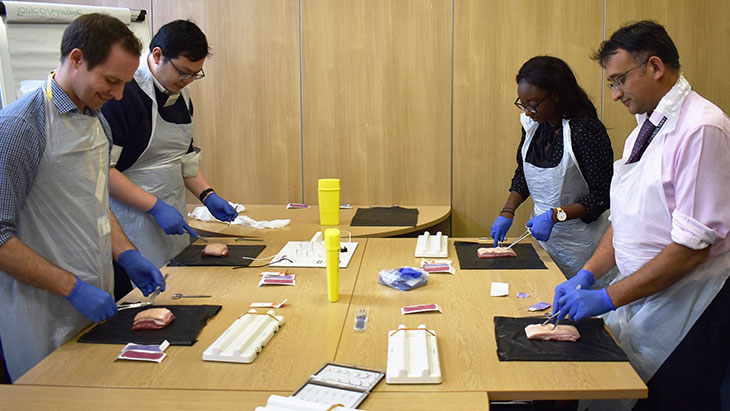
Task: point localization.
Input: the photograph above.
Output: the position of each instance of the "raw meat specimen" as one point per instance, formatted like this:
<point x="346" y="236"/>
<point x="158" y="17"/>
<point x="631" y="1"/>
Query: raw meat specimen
<point x="495" y="252"/>
<point x="546" y="332"/>
<point x="152" y="319"/>
<point x="215" y="250"/>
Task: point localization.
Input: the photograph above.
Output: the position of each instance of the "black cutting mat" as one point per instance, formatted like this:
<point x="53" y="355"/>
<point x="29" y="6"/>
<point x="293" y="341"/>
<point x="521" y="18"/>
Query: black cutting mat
<point x="527" y="258"/>
<point x="385" y="217"/>
<point x="184" y="330"/>
<point x="192" y="256"/>
<point x="595" y="343"/>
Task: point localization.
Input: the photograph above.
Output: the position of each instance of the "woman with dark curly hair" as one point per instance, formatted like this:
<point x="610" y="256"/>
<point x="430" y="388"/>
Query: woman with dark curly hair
<point x="564" y="161"/>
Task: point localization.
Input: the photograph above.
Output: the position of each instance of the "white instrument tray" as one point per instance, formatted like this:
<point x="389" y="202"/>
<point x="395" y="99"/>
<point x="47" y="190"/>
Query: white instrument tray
<point x="432" y="246"/>
<point x="245" y="338"/>
<point x="311" y="253"/>
<point x="279" y="403"/>
<point x="413" y="356"/>
<point x="339" y="384"/>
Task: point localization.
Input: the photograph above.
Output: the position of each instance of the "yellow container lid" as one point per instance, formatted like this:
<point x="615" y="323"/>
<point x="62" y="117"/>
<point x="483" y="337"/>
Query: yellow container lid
<point x="329" y="184"/>
<point x="332" y="238"/>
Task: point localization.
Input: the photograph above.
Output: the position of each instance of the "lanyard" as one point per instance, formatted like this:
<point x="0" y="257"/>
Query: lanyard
<point x="49" y="89"/>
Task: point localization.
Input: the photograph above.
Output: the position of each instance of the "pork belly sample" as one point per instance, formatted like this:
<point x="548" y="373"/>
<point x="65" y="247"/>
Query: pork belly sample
<point x="215" y="250"/>
<point x="495" y="252"/>
<point x="152" y="319"/>
<point x="546" y="332"/>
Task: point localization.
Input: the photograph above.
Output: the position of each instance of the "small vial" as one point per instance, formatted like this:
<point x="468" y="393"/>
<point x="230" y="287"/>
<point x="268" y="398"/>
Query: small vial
<point x="361" y="319"/>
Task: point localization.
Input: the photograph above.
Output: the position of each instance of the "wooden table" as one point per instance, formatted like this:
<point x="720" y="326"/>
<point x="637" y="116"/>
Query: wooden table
<point x="306" y="341"/>
<point x="42" y="398"/>
<point x="465" y="330"/>
<point x="317" y="332"/>
<point x="305" y="222"/>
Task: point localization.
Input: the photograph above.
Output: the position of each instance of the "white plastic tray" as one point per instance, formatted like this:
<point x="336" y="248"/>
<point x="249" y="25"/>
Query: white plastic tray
<point x="344" y="384"/>
<point x="432" y="245"/>
<point x="279" y="403"/>
<point x="311" y="253"/>
<point x="245" y="338"/>
<point x="413" y="356"/>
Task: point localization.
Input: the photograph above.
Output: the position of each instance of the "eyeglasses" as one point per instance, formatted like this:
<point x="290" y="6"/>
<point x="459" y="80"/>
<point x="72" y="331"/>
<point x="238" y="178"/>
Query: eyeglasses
<point x="187" y="76"/>
<point x="527" y="107"/>
<point x="618" y="81"/>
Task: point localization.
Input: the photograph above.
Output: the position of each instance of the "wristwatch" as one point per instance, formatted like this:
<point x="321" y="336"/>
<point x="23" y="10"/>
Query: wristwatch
<point x="560" y="214"/>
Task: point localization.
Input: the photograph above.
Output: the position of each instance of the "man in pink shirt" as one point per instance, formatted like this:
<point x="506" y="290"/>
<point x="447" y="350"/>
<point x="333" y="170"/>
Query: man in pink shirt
<point x="669" y="308"/>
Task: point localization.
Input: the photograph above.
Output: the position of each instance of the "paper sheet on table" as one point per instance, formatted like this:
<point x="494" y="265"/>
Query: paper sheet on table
<point x="499" y="289"/>
<point x="202" y="214"/>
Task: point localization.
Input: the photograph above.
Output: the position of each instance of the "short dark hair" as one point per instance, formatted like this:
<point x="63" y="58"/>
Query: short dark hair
<point x="554" y="75"/>
<point x="642" y="40"/>
<point x="95" y="34"/>
<point x="181" y="37"/>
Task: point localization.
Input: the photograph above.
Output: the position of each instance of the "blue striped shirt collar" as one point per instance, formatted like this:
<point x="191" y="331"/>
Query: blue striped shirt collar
<point x="64" y="104"/>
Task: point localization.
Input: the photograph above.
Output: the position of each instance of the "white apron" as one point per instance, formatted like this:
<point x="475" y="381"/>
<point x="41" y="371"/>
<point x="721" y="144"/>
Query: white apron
<point x="650" y="328"/>
<point x="571" y="242"/>
<point x="158" y="171"/>
<point x="65" y="219"/>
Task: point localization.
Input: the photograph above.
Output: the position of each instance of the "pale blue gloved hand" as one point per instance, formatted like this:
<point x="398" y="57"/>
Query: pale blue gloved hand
<point x="141" y="271"/>
<point x="542" y="225"/>
<point x="499" y="229"/>
<point x="584" y="280"/>
<point x="220" y="208"/>
<point x="93" y="302"/>
<point x="171" y="221"/>
<point x="582" y="304"/>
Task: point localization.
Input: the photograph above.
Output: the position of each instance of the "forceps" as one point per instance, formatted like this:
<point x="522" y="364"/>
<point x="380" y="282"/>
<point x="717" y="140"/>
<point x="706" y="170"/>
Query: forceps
<point x="178" y="296"/>
<point x="157" y="291"/>
<point x="550" y="317"/>
<point x="520" y="238"/>
<point x="138" y="304"/>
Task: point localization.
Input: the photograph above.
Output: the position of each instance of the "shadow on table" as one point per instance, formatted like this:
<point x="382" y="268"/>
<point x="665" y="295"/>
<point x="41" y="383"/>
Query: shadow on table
<point x="533" y="405"/>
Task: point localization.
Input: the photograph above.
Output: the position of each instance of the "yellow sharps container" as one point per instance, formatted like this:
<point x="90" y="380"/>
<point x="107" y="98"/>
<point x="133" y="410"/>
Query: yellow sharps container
<point x="329" y="201"/>
<point x="332" y="247"/>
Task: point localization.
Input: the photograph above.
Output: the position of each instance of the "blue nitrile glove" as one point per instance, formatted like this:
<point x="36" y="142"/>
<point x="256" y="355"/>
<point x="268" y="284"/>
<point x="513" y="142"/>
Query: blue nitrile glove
<point x="93" y="302"/>
<point x="141" y="271"/>
<point x="170" y="219"/>
<point x="542" y="225"/>
<point x="582" y="304"/>
<point x="220" y="208"/>
<point x="499" y="229"/>
<point x="584" y="279"/>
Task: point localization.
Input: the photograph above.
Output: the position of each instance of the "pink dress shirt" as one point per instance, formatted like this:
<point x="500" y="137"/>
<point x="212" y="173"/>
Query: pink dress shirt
<point x="695" y="168"/>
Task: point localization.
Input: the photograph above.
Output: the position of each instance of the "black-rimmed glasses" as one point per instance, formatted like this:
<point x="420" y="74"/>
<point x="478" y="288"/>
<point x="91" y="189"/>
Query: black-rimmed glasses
<point x="527" y="107"/>
<point x="618" y="81"/>
<point x="187" y="76"/>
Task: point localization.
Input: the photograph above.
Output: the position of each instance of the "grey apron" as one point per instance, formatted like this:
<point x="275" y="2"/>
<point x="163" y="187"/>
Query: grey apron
<point x="158" y="171"/>
<point x="571" y="242"/>
<point x="66" y="220"/>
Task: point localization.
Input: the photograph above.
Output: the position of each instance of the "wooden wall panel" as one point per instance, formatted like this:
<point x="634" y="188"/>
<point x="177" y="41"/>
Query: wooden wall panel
<point x="247" y="108"/>
<point x="699" y="29"/>
<point x="376" y="109"/>
<point x="492" y="39"/>
<point x="377" y="94"/>
<point x="132" y="4"/>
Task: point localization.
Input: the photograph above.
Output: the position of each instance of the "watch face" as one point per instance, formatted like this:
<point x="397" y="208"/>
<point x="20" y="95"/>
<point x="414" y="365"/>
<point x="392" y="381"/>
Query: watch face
<point x="561" y="215"/>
